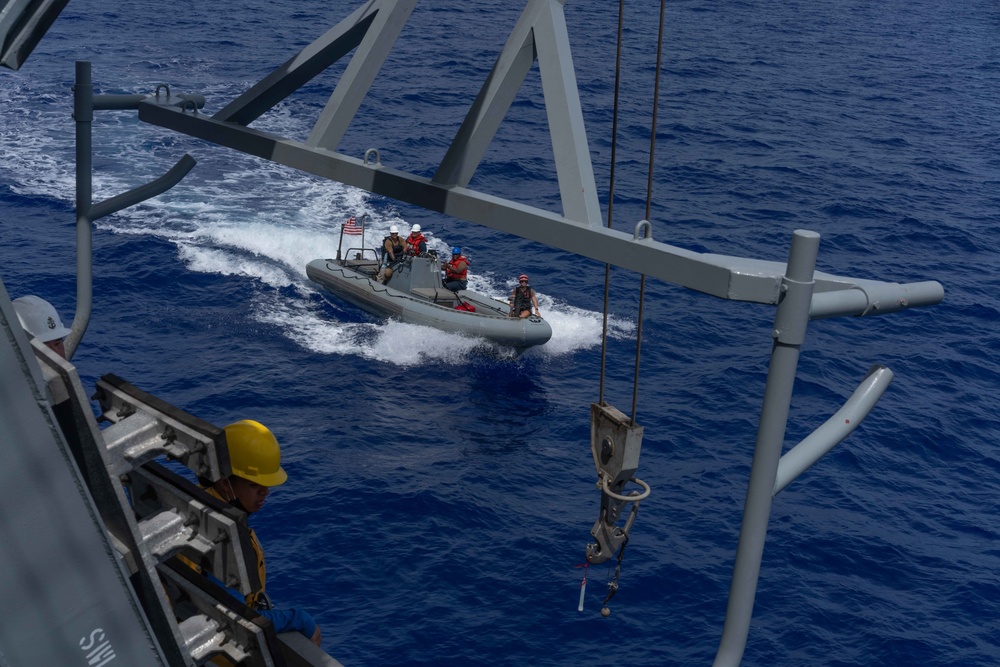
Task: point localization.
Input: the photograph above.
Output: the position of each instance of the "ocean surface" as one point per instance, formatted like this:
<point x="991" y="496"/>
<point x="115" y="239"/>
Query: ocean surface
<point x="441" y="491"/>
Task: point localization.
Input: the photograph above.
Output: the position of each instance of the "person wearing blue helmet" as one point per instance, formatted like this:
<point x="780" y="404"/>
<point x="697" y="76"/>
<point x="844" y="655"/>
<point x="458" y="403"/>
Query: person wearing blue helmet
<point x="456" y="271"/>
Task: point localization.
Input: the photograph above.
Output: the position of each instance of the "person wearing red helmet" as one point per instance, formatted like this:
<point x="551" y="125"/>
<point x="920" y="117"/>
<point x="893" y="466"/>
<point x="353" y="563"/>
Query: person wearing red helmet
<point x="523" y="298"/>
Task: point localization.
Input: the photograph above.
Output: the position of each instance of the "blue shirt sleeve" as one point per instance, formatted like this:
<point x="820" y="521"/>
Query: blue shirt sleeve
<point x="286" y="620"/>
<point x="283" y="620"/>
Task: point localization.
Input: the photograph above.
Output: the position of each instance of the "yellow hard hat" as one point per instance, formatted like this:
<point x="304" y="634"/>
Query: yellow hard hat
<point x="254" y="453"/>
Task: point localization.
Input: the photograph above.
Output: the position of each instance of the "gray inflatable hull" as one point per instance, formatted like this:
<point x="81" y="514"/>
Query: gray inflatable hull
<point x="430" y="306"/>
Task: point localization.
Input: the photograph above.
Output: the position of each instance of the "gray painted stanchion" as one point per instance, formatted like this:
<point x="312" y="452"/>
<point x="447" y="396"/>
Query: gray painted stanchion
<point x="84" y="105"/>
<point x="790" y="324"/>
<point x="798" y="459"/>
<point x="83" y="114"/>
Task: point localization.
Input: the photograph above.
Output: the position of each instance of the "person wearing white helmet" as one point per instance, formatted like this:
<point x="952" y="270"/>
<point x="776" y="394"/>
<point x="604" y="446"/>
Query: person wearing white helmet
<point x="393" y="247"/>
<point x="416" y="244"/>
<point x="39" y="318"/>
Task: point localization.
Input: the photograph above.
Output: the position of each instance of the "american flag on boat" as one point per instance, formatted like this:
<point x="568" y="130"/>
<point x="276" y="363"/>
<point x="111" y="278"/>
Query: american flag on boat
<point x="352" y="227"/>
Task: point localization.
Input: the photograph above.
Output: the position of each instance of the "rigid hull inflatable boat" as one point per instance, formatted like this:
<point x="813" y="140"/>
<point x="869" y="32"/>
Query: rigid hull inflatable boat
<point x="414" y="293"/>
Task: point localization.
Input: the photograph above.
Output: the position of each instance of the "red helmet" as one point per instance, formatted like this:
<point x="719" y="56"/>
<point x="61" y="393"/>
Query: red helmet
<point x="522" y="277"/>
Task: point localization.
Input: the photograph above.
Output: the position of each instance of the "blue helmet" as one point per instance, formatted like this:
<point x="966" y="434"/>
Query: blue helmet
<point x="456" y="251"/>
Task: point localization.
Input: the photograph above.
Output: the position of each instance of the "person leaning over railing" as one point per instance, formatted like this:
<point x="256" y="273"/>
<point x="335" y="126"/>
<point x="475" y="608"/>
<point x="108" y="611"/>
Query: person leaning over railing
<point x="255" y="457"/>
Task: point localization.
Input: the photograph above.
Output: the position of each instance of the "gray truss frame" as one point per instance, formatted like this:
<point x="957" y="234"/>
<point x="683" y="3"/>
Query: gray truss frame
<point x="540" y="32"/>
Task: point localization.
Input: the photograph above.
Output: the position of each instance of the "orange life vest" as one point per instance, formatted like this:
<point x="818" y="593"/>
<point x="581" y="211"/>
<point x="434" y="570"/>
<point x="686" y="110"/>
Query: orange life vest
<point x="451" y="273"/>
<point x="413" y="243"/>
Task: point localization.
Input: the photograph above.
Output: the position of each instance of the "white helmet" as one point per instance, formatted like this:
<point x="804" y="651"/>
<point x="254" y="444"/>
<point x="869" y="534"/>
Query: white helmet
<point x="393" y="229"/>
<point x="414" y="229"/>
<point x="39" y="318"/>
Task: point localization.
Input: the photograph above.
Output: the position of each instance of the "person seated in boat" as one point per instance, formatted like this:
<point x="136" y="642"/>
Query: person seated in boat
<point x="40" y="320"/>
<point x="523" y="298"/>
<point x="255" y="458"/>
<point x="393" y="247"/>
<point x="456" y="271"/>
<point x="416" y="244"/>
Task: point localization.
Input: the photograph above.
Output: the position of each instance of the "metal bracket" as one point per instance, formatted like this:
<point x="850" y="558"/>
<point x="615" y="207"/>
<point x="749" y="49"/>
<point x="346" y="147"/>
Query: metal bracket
<point x="214" y="623"/>
<point x="615" y="442"/>
<point x="177" y="516"/>
<point x="167" y="532"/>
<point x="203" y="639"/>
<point x="144" y="427"/>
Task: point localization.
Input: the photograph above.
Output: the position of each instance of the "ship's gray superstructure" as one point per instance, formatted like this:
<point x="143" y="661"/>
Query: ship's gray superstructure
<point x="91" y="523"/>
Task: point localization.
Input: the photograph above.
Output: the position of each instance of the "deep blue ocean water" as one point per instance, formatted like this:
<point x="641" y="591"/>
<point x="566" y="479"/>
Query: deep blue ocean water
<point x="441" y="493"/>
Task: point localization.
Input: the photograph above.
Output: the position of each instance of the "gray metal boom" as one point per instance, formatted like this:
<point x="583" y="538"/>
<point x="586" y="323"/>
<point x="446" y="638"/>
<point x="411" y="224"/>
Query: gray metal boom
<point x="723" y="276"/>
<point x="299" y="70"/>
<point x="539" y="33"/>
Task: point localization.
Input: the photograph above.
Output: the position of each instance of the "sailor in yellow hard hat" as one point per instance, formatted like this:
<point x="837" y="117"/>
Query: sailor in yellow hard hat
<point x="255" y="458"/>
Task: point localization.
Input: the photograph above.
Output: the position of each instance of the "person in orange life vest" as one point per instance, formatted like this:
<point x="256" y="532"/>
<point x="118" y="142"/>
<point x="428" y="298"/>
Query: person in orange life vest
<point x="523" y="298"/>
<point x="416" y="244"/>
<point x="456" y="271"/>
<point x="255" y="458"/>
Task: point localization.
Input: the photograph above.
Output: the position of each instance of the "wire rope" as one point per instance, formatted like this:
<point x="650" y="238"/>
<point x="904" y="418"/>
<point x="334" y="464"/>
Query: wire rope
<point x="649" y="202"/>
<point x="611" y="202"/>
<point x="611" y="198"/>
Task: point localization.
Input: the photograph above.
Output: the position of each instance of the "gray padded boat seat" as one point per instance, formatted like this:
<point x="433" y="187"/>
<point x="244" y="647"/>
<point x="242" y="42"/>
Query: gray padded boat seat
<point x="443" y="296"/>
